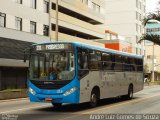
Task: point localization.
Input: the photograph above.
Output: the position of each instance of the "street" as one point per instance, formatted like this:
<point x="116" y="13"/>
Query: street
<point x="144" y="102"/>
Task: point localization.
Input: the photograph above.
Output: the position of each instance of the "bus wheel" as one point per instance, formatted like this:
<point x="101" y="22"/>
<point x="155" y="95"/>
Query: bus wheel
<point x="57" y="105"/>
<point x="130" y="92"/>
<point x="94" y="98"/>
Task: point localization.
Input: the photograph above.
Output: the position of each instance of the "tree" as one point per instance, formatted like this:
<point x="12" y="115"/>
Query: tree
<point x="152" y="16"/>
<point x="155" y="38"/>
<point x="150" y="37"/>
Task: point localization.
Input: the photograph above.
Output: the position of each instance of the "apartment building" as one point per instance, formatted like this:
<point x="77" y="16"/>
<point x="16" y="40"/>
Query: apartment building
<point x="23" y="22"/>
<point x="124" y="17"/>
<point x="152" y="50"/>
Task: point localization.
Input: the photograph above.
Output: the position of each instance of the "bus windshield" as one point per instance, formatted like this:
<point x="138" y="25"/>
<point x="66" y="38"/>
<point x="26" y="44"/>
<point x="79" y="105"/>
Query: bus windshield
<point x="52" y="66"/>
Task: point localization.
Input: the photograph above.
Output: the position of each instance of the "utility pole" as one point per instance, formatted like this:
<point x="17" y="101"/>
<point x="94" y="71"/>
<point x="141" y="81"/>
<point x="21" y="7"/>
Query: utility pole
<point x="56" y="34"/>
<point x="153" y="64"/>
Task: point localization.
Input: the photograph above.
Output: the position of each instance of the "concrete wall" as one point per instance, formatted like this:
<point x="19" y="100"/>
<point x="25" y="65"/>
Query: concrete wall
<point x="149" y="51"/>
<point x="121" y="17"/>
<point x="24" y="11"/>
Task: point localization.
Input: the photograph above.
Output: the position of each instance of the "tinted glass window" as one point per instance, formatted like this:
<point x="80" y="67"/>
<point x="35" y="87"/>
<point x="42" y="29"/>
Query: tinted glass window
<point x="82" y="63"/>
<point x="94" y="60"/>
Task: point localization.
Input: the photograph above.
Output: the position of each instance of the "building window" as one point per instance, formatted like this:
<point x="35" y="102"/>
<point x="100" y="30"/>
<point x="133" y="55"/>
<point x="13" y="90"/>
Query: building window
<point x="137" y="39"/>
<point x="140" y="52"/>
<point x="84" y="1"/>
<point x="33" y="3"/>
<point x="137" y="3"/>
<point x="45" y="30"/>
<point x="140" y="5"/>
<point x="18" y="23"/>
<point x="140" y="18"/>
<point x="144" y="8"/>
<point x="2" y="20"/>
<point x="151" y="57"/>
<point x="137" y="51"/>
<point x="46" y="7"/>
<point x="136" y="15"/>
<point x="33" y="27"/>
<point x="137" y="27"/>
<point x="98" y="8"/>
<point x="19" y="1"/>
<point x="140" y="29"/>
<point x="93" y="6"/>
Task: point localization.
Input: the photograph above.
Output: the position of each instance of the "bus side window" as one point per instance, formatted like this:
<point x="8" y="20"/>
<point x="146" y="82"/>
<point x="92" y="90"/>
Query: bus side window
<point x="133" y="67"/>
<point x="118" y="63"/>
<point x="95" y="62"/>
<point x="106" y="61"/>
<point x="113" y="62"/>
<point x="82" y="62"/>
<point x="126" y="63"/>
<point x="139" y="63"/>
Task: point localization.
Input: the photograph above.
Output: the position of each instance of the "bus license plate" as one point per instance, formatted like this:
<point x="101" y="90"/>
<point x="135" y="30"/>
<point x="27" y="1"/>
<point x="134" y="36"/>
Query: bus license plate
<point x="48" y="99"/>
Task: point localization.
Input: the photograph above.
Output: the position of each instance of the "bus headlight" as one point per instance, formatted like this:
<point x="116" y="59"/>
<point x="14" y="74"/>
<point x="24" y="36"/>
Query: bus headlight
<point x="70" y="91"/>
<point x="32" y="91"/>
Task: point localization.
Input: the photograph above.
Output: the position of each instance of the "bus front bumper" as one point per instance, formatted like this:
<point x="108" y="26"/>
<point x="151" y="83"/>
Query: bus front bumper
<point x="56" y="98"/>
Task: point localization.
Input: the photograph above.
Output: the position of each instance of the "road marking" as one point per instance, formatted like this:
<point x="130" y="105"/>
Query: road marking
<point x="21" y="109"/>
<point x="109" y="106"/>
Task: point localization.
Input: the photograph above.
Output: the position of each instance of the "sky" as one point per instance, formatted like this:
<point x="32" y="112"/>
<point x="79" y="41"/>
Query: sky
<point x="151" y="5"/>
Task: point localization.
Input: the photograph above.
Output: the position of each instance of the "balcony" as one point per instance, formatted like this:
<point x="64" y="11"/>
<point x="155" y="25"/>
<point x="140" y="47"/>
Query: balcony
<point x="65" y="37"/>
<point x="82" y="10"/>
<point x="78" y="25"/>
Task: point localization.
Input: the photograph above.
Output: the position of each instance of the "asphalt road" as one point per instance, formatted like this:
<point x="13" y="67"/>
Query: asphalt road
<point x="144" y="103"/>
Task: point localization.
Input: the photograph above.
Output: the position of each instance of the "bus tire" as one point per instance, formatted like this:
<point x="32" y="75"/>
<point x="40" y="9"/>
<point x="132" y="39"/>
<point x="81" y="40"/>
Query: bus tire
<point x="94" y="97"/>
<point x="57" y="105"/>
<point x="130" y="92"/>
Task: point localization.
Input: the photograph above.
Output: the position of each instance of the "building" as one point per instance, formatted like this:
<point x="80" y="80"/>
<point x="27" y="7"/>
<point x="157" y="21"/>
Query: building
<point x="23" y="22"/>
<point x="124" y="17"/>
<point x="79" y="20"/>
<point x="152" y="50"/>
<point x="116" y="42"/>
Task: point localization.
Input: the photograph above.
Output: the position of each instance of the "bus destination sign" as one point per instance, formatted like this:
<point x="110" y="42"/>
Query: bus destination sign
<point x="53" y="47"/>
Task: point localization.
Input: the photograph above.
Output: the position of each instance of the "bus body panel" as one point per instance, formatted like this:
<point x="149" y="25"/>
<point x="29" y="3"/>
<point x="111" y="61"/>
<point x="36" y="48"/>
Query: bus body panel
<point x="111" y="84"/>
<point x="56" y="95"/>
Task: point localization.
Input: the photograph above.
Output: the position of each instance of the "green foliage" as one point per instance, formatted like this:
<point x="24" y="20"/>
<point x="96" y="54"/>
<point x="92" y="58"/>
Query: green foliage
<point x="150" y="37"/>
<point x="151" y="16"/>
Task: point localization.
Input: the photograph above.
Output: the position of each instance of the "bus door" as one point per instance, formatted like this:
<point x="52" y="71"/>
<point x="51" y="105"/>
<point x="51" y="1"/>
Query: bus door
<point x="83" y="74"/>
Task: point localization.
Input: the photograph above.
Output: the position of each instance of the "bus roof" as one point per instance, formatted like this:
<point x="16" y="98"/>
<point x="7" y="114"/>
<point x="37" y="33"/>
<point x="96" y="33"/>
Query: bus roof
<point x="78" y="44"/>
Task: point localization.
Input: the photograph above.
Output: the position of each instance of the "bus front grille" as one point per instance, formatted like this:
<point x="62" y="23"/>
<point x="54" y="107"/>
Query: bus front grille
<point x="50" y="85"/>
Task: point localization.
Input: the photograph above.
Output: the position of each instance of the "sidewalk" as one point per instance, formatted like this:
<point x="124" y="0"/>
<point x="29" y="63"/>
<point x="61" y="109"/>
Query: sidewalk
<point x="151" y="84"/>
<point x="4" y="95"/>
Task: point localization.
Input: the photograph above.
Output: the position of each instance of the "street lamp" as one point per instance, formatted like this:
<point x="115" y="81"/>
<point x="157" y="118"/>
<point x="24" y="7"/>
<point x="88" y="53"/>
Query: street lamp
<point x="56" y="34"/>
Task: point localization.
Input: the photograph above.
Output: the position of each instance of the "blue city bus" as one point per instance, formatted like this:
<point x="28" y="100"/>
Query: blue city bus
<point x="71" y="72"/>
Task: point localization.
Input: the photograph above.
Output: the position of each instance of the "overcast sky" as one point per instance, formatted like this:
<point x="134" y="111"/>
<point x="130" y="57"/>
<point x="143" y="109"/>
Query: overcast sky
<point x="151" y="5"/>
